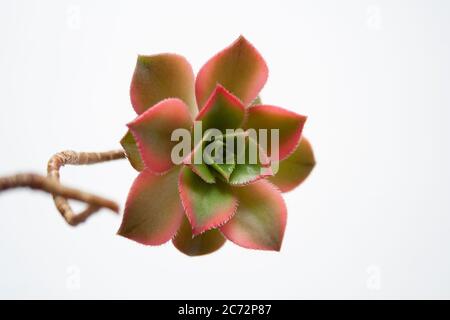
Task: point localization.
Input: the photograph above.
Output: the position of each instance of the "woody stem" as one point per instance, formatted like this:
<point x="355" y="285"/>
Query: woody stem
<point x="61" y="193"/>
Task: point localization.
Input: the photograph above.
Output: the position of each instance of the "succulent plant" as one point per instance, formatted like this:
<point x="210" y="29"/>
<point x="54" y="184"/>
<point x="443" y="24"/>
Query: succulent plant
<point x="200" y="205"/>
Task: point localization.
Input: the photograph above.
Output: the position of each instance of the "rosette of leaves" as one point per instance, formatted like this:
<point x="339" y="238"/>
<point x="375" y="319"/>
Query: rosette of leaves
<point x="201" y="205"/>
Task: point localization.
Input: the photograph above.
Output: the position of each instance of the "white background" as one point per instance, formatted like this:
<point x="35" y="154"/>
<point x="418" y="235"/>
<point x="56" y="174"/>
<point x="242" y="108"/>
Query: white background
<point x="373" y="219"/>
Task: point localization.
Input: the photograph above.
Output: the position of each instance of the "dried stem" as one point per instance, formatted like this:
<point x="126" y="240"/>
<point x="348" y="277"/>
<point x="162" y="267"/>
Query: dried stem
<point x="38" y="182"/>
<point x="61" y="193"/>
<point x="78" y="158"/>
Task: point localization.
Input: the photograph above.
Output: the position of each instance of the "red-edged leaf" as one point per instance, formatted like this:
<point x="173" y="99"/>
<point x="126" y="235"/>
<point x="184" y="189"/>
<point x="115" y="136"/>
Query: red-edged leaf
<point x="289" y="124"/>
<point x="239" y="68"/>
<point x="244" y="174"/>
<point x="293" y="170"/>
<point x="260" y="219"/>
<point x="162" y="76"/>
<point x="205" y="243"/>
<point x="153" y="129"/>
<point x="199" y="167"/>
<point x="222" y="111"/>
<point x="223" y="160"/>
<point x="153" y="211"/>
<point x="254" y="168"/>
<point x="131" y="150"/>
<point x="207" y="206"/>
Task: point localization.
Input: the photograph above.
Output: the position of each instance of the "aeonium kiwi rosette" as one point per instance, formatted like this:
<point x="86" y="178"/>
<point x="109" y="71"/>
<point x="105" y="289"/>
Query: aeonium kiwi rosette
<point x="213" y="160"/>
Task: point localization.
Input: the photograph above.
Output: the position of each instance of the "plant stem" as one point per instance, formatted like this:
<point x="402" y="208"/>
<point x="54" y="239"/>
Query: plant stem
<point x="61" y="193"/>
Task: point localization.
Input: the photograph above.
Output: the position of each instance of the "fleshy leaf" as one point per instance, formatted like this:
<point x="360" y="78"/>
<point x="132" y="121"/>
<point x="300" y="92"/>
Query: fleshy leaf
<point x="256" y="102"/>
<point x="224" y="169"/>
<point x="153" y="211"/>
<point x="205" y="243"/>
<point x="252" y="169"/>
<point x="239" y="68"/>
<point x="132" y="152"/>
<point x="260" y="219"/>
<point x="153" y="129"/>
<point x="162" y="76"/>
<point x="207" y="206"/>
<point x="244" y="174"/>
<point x="293" y="170"/>
<point x="289" y="124"/>
<point x="223" y="164"/>
<point x="222" y="111"/>
<point x="201" y="169"/>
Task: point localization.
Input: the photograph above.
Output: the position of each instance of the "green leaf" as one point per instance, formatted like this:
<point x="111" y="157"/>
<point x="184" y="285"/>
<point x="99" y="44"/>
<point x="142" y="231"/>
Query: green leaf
<point x="244" y="174"/>
<point x="201" y="169"/>
<point x="224" y="162"/>
<point x="288" y="123"/>
<point x="207" y="206"/>
<point x="222" y="111"/>
<point x="293" y="170"/>
<point x="132" y="152"/>
<point x="260" y="219"/>
<point x="256" y="102"/>
<point x="253" y="168"/>
<point x="153" y="211"/>
<point x="205" y="243"/>
<point x="239" y="68"/>
<point x="153" y="130"/>
<point x="161" y="76"/>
